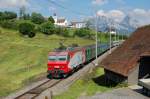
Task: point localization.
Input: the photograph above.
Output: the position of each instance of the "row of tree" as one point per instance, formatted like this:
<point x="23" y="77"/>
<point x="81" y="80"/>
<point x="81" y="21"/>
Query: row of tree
<point x="30" y="24"/>
<point x="36" y="18"/>
<point x="7" y="15"/>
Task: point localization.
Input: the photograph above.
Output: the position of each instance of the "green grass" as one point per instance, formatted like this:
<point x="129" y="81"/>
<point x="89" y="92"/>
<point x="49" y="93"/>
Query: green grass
<point x="22" y="58"/>
<point x="90" y="84"/>
<point x="85" y="86"/>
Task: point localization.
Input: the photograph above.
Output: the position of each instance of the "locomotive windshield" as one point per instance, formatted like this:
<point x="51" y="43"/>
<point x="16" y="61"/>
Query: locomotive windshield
<point x="62" y="58"/>
<point x="57" y="58"/>
<point x="52" y="58"/>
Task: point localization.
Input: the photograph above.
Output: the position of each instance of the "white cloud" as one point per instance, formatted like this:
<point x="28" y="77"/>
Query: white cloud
<point x="116" y="15"/>
<point x="139" y="11"/>
<point x="99" y="2"/>
<point x="12" y="3"/>
<point x="101" y="13"/>
<point x="141" y="15"/>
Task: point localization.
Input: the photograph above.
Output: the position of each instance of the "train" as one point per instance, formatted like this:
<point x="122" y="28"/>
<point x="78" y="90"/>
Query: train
<point x="63" y="62"/>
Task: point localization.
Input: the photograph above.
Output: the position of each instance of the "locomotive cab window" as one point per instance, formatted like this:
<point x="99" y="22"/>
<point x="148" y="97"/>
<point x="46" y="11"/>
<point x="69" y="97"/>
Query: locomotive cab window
<point x="52" y="58"/>
<point x="62" y="58"/>
<point x="57" y="58"/>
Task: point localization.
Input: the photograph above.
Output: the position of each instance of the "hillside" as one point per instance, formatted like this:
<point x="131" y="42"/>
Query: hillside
<point x="23" y="58"/>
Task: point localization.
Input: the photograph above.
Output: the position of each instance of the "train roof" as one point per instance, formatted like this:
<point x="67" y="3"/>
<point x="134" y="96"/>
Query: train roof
<point x="58" y="53"/>
<point x="64" y="51"/>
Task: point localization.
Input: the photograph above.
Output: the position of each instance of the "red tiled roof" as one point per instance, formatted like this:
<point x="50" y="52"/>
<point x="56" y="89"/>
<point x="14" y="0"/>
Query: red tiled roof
<point x="60" y="20"/>
<point x="146" y="54"/>
<point x="125" y="58"/>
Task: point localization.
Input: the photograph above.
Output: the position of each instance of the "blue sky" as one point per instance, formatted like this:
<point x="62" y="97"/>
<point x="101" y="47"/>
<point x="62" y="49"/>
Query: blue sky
<point x="79" y="9"/>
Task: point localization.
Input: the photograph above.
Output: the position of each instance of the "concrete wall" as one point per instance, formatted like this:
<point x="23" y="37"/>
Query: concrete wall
<point x="133" y="76"/>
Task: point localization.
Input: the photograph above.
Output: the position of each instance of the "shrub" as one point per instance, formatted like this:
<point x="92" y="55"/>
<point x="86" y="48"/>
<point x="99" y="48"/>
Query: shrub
<point x="59" y="30"/>
<point x="31" y="34"/>
<point x="7" y="15"/>
<point x="48" y="28"/>
<point x="27" y="28"/>
<point x="62" y="31"/>
<point x="11" y="24"/>
<point x="51" y="19"/>
<point x="65" y="33"/>
<point x="83" y="32"/>
<point x="37" y="18"/>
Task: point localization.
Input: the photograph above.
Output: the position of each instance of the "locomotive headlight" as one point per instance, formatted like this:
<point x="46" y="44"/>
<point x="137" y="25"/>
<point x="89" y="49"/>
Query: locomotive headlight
<point x="62" y="66"/>
<point x="49" y="66"/>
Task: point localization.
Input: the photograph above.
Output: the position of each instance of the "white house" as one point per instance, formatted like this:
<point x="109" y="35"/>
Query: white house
<point x="113" y="32"/>
<point x="60" y="21"/>
<point x="78" y="24"/>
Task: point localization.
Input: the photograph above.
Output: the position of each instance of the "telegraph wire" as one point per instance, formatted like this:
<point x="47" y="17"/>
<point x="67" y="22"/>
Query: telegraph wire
<point x="63" y="7"/>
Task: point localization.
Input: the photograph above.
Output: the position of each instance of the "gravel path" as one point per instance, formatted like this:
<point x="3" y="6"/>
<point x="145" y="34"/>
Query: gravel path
<point x="121" y="93"/>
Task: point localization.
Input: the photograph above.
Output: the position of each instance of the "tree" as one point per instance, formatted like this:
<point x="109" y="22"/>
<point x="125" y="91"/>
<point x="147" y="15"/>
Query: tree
<point x="48" y="28"/>
<point x="62" y="31"/>
<point x="10" y="24"/>
<point x="1" y="16"/>
<point x="37" y="18"/>
<point x="65" y="32"/>
<point x="7" y="15"/>
<point x="27" y="28"/>
<point x="83" y="32"/>
<point x="88" y="24"/>
<point x="26" y="16"/>
<point x="51" y="19"/>
<point x="22" y="12"/>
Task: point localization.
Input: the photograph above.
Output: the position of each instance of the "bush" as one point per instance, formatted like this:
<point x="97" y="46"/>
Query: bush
<point x="48" y="28"/>
<point x="7" y="15"/>
<point x="62" y="31"/>
<point x="83" y="32"/>
<point x="27" y="28"/>
<point x="59" y="30"/>
<point x="65" y="33"/>
<point x="37" y="18"/>
<point x="31" y="34"/>
<point x="10" y="24"/>
<point x="51" y="19"/>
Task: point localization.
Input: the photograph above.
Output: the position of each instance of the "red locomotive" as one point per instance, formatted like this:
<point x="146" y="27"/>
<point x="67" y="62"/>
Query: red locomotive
<point x="63" y="62"/>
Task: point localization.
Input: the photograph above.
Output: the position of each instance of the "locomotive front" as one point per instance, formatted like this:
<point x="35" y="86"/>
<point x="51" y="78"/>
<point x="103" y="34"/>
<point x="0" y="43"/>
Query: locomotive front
<point x="58" y="64"/>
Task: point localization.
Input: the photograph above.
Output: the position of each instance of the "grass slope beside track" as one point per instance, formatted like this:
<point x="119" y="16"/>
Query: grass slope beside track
<point x="90" y="84"/>
<point x="23" y="58"/>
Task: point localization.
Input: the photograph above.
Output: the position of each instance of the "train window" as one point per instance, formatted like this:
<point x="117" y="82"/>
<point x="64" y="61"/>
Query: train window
<point x="52" y="58"/>
<point x="88" y="51"/>
<point x="62" y="58"/>
<point x="68" y="57"/>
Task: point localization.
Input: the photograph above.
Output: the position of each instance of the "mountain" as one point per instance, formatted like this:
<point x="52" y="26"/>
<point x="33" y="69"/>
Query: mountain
<point x="127" y="25"/>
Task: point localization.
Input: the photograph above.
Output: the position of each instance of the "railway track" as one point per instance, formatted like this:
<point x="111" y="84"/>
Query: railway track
<point x="35" y="92"/>
<point x="56" y="86"/>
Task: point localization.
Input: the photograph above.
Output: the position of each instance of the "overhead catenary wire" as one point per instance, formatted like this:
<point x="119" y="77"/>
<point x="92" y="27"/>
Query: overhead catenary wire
<point x="67" y="9"/>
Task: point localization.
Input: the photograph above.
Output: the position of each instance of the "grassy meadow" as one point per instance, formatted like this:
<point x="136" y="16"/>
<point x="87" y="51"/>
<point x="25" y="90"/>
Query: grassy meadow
<point x="22" y="58"/>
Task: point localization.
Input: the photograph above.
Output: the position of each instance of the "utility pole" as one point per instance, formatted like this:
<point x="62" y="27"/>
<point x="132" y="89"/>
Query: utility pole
<point x="96" y="43"/>
<point x="115" y="35"/>
<point x="110" y="39"/>
<point x="122" y="36"/>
